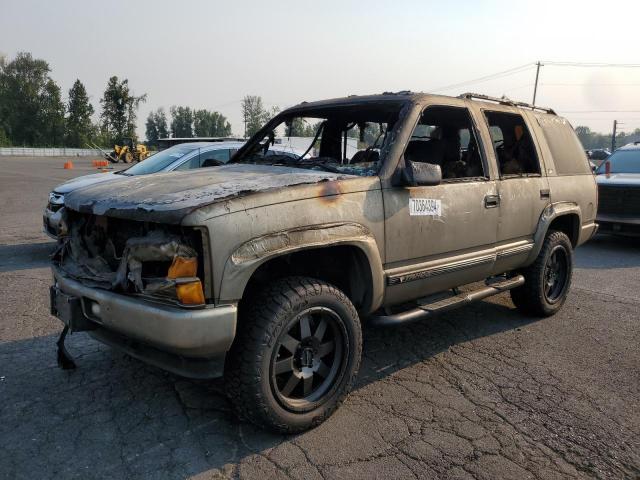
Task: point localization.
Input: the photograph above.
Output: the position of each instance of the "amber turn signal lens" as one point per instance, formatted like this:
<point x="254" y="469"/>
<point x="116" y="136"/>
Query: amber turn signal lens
<point x="183" y="267"/>
<point x="190" y="293"/>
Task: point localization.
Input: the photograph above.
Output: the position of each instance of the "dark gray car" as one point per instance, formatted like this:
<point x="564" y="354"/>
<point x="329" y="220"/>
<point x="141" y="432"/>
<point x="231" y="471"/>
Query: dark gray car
<point x="619" y="192"/>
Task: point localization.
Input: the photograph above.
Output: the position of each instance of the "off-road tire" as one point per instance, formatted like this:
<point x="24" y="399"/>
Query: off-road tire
<point x="265" y="318"/>
<point x="531" y="298"/>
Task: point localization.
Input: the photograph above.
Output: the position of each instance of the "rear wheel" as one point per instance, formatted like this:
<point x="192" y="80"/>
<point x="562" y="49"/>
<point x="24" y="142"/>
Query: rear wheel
<point x="548" y="279"/>
<point x="296" y="355"/>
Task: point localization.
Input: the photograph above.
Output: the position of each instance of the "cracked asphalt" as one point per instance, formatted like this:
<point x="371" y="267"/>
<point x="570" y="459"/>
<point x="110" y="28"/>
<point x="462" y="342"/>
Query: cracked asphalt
<point x="480" y="392"/>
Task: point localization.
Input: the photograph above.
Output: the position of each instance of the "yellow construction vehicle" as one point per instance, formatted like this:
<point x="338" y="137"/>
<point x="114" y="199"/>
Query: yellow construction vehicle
<point x="128" y="152"/>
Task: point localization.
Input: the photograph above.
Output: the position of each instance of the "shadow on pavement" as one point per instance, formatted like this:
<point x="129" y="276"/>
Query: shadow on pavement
<point x="117" y="417"/>
<point x="609" y="251"/>
<point x="25" y="256"/>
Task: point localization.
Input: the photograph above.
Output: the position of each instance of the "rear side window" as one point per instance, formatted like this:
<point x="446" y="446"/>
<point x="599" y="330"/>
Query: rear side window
<point x="568" y="155"/>
<point x="512" y="144"/>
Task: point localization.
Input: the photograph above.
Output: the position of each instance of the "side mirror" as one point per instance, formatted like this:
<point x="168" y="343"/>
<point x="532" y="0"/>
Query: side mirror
<point x="426" y="174"/>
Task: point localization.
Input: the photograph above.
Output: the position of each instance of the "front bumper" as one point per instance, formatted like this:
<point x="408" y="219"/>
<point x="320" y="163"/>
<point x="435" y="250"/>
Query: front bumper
<point x="51" y="222"/>
<point x="170" y="337"/>
<point x="619" y="224"/>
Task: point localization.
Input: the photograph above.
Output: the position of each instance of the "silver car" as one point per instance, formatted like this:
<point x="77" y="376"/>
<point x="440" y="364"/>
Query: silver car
<point x="184" y="156"/>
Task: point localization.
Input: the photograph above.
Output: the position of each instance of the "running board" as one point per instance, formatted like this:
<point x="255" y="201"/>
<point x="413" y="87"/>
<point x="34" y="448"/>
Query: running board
<point x="428" y="309"/>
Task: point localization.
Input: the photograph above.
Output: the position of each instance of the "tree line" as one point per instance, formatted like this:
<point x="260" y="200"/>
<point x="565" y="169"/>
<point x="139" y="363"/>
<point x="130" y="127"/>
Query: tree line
<point x="33" y="112"/>
<point x="185" y="123"/>
<point x="591" y="140"/>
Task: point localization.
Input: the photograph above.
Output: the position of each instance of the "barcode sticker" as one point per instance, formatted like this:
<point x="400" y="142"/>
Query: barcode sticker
<point x="425" y="206"/>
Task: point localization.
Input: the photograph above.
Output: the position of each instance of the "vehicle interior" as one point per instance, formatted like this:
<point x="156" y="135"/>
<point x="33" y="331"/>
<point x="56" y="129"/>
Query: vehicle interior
<point x="341" y="139"/>
<point x="512" y="144"/>
<point x="445" y="136"/>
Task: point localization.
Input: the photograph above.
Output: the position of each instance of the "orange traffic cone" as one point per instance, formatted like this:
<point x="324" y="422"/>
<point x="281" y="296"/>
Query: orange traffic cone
<point x="68" y="165"/>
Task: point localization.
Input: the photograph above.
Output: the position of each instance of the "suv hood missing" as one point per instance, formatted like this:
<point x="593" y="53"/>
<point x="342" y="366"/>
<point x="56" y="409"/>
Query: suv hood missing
<point x="169" y="197"/>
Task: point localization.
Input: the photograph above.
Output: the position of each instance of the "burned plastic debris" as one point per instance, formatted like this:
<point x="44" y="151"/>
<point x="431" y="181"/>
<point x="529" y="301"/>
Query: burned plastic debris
<point x="123" y="256"/>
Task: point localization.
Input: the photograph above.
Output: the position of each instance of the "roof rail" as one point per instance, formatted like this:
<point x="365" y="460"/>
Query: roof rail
<point x="505" y="101"/>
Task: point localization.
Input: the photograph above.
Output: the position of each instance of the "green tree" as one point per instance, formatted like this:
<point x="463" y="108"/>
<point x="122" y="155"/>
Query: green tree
<point x="181" y="122"/>
<point x="52" y="114"/>
<point x="210" y="124"/>
<point x="254" y="115"/>
<point x="80" y="129"/>
<point x="31" y="110"/>
<point x="156" y="126"/>
<point x="119" y="110"/>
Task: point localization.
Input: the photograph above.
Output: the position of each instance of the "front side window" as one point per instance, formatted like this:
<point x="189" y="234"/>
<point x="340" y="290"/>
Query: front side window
<point x="512" y="144"/>
<point x="445" y="136"/>
<point x="214" y="158"/>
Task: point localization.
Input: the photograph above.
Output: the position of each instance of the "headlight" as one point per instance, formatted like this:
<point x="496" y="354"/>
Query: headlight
<point x="56" y="198"/>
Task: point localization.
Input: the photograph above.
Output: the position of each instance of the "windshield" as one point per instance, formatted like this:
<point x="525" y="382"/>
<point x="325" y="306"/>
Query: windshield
<point x="340" y="139"/>
<point x="160" y="160"/>
<point x="622" y="161"/>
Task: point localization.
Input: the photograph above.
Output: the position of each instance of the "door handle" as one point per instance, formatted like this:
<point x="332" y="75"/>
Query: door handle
<point x="491" y="201"/>
<point x="545" y="193"/>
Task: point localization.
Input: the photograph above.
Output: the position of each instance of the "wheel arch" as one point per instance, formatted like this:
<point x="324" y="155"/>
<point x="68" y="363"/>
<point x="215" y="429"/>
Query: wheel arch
<point x="562" y="216"/>
<point x="344" y="254"/>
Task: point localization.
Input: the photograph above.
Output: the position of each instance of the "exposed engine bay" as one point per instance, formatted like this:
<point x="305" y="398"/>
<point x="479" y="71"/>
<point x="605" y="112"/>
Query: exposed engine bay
<point x="132" y="257"/>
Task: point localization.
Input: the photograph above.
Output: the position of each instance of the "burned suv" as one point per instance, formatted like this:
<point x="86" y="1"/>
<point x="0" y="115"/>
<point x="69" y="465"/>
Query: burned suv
<point x="263" y="270"/>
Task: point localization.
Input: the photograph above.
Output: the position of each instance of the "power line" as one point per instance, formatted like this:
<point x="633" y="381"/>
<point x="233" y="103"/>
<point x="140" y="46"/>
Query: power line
<point x="504" y="73"/>
<point x="600" y="111"/>
<point x="590" y="84"/>
<point x="591" y="64"/>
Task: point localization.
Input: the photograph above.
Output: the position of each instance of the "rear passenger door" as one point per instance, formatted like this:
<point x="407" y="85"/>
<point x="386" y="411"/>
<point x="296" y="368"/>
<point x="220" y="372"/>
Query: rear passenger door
<point x="523" y="186"/>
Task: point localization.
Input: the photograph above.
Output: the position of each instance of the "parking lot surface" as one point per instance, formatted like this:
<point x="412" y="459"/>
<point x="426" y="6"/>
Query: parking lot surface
<point x="481" y="392"/>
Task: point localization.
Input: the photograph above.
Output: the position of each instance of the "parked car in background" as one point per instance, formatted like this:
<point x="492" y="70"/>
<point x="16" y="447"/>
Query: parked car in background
<point x="597" y="155"/>
<point x="184" y="156"/>
<point x="618" y="181"/>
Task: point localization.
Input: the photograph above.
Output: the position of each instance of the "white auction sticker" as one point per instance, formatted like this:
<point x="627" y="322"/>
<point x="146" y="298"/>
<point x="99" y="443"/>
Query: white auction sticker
<point x="425" y="206"/>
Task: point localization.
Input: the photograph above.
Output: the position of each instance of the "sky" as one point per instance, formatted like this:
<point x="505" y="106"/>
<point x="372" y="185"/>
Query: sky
<point x="210" y="54"/>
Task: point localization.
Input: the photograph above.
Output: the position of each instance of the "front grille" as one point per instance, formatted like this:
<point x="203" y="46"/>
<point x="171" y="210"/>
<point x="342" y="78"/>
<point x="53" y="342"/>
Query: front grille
<point x="54" y="207"/>
<point x="619" y="200"/>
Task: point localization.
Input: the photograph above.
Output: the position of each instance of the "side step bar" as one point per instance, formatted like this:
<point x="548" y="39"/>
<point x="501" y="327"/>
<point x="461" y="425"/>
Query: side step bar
<point x="428" y="309"/>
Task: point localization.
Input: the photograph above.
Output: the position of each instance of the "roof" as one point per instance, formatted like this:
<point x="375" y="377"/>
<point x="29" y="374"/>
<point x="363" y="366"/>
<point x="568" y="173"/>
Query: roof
<point x="408" y="96"/>
<point x="631" y="146"/>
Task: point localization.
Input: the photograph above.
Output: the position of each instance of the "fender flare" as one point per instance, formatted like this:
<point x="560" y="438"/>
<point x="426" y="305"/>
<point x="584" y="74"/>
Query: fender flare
<point x="549" y="214"/>
<point x="250" y="255"/>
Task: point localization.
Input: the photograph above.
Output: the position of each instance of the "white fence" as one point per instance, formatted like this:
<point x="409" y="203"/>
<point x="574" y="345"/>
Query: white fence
<point x="49" y="152"/>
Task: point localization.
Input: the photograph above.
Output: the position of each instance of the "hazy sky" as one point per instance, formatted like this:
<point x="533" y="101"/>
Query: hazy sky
<point x="208" y="54"/>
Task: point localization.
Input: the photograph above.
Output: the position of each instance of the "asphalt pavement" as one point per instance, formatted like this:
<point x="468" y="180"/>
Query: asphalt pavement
<point x="481" y="392"/>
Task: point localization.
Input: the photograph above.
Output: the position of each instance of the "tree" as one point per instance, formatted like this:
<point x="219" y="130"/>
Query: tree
<point x="156" y="126"/>
<point x="80" y="129"/>
<point x="254" y="114"/>
<point x="31" y="110"/>
<point x="300" y="127"/>
<point x="52" y="113"/>
<point x="210" y="124"/>
<point x="119" y="110"/>
<point x="181" y="122"/>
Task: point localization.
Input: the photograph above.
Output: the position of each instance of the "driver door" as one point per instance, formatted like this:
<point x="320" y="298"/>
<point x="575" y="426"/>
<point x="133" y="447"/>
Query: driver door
<point x="441" y="236"/>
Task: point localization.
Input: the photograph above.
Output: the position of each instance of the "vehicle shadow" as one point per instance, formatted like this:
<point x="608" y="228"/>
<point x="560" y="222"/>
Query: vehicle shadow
<point x="25" y="256"/>
<point x="117" y="417"/>
<point x="609" y="251"/>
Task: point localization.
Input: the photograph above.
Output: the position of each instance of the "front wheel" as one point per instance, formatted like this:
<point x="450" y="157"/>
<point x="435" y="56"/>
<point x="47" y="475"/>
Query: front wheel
<point x="295" y="356"/>
<point x="548" y="279"/>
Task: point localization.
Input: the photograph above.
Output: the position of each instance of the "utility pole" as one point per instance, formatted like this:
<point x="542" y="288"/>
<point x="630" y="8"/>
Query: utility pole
<point x="613" y="137"/>
<point x="535" y="86"/>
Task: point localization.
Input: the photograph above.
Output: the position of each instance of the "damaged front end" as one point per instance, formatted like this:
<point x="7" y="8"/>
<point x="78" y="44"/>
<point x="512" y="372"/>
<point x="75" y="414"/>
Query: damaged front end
<point x="162" y="263"/>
